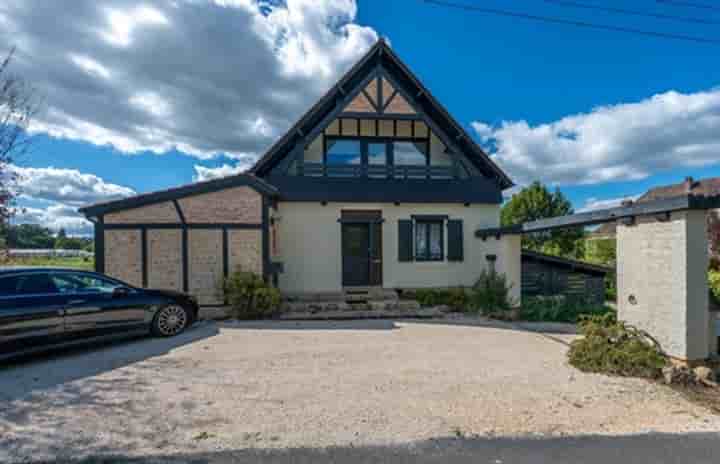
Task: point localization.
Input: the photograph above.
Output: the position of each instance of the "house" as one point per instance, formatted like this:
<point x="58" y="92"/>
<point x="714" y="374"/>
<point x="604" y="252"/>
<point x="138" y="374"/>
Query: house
<point x="546" y="275"/>
<point x="705" y="187"/>
<point x="376" y="186"/>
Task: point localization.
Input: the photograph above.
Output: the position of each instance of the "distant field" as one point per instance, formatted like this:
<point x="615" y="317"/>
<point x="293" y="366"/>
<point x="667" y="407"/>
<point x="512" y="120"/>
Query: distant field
<point x="75" y="262"/>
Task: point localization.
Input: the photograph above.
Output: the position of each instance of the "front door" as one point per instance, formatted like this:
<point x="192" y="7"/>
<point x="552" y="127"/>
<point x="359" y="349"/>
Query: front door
<point x="362" y="248"/>
<point x="356" y="254"/>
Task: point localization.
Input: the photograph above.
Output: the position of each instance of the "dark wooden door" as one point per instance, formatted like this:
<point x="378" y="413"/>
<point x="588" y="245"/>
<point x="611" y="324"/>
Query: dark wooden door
<point x="356" y="254"/>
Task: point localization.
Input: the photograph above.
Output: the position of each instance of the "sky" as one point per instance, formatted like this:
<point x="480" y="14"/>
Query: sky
<point x="141" y="95"/>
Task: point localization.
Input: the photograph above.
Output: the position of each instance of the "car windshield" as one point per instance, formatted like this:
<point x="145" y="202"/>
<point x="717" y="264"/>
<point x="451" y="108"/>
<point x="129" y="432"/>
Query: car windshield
<point x="83" y="283"/>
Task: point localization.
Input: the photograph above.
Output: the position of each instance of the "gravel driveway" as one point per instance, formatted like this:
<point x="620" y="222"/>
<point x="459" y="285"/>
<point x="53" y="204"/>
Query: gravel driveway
<point x="232" y="386"/>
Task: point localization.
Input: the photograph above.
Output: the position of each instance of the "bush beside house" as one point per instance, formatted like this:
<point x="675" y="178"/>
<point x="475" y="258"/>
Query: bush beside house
<point x="249" y="296"/>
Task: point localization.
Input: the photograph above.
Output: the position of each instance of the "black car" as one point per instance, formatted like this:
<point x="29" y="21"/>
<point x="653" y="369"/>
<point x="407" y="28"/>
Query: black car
<point x="42" y="308"/>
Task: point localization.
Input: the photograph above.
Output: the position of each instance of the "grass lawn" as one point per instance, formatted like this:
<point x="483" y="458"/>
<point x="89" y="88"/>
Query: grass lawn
<point x="87" y="264"/>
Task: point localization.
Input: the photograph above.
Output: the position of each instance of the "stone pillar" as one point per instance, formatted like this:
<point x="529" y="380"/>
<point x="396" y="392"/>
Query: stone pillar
<point x="509" y="262"/>
<point x="662" y="281"/>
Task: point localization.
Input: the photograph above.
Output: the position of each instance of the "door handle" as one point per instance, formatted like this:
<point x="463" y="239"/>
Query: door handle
<point x="76" y="302"/>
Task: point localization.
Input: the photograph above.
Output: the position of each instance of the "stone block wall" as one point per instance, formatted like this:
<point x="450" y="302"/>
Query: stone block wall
<point x="164" y="213"/>
<point x="123" y="256"/>
<point x="205" y="265"/>
<point x="165" y="259"/>
<point x="245" y="250"/>
<point x="238" y="205"/>
<point x="662" y="282"/>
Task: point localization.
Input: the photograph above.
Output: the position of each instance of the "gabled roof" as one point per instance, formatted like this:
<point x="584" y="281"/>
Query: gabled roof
<point x="709" y="187"/>
<point x="174" y="193"/>
<point x="382" y="55"/>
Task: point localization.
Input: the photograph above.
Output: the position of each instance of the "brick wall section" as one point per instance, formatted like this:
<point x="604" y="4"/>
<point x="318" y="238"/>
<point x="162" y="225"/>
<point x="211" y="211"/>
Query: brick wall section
<point x="233" y="205"/>
<point x="399" y="105"/>
<point x="205" y="265"/>
<point x="661" y="268"/>
<point x="165" y="259"/>
<point x="157" y="213"/>
<point x="245" y="250"/>
<point x="360" y="104"/>
<point x="123" y="256"/>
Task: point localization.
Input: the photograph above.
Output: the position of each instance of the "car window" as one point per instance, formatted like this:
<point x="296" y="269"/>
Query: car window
<point x="83" y="283"/>
<point x="27" y="284"/>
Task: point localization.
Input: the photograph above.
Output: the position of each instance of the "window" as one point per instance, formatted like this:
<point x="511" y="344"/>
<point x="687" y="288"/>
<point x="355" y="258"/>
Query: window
<point x="27" y="284"/>
<point x="83" y="283"/>
<point x="377" y="159"/>
<point x="410" y="153"/>
<point x="429" y="240"/>
<point x="342" y="152"/>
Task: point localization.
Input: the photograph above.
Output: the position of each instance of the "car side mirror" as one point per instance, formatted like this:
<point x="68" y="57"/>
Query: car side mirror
<point x="120" y="292"/>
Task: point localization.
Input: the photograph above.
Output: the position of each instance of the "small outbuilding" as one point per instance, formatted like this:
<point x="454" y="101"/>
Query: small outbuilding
<point x="546" y="275"/>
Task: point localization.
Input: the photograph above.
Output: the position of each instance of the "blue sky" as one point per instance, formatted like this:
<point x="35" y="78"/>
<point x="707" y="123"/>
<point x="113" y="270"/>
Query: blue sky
<point x="143" y="95"/>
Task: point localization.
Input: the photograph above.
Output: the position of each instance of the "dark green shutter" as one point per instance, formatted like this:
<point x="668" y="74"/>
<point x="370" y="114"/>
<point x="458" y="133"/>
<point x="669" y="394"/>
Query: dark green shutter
<point x="405" y="242"/>
<point x="455" y="240"/>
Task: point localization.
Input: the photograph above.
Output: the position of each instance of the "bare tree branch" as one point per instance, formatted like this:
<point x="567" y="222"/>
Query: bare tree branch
<point x="18" y="105"/>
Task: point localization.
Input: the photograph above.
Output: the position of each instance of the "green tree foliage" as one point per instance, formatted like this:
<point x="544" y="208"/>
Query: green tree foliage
<point x="27" y="236"/>
<point x="601" y="251"/>
<point x="537" y="202"/>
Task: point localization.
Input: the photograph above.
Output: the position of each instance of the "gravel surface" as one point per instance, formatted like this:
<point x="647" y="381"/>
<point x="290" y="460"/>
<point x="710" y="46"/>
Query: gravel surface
<point x="231" y="386"/>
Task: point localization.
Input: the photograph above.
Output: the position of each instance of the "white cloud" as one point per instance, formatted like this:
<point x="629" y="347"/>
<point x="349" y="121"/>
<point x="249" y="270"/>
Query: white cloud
<point x="611" y="143"/>
<point x="201" y="76"/>
<point x="203" y="173"/>
<point x="89" y="65"/>
<point x="67" y="186"/>
<point x="593" y="204"/>
<point x="56" y="216"/>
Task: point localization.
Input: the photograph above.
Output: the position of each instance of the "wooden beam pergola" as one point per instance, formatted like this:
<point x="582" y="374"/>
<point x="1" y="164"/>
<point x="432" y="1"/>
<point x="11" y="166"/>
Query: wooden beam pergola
<point x="659" y="208"/>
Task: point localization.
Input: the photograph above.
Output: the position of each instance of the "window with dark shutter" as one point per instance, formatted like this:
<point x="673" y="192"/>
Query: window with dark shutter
<point x="455" y="240"/>
<point x="405" y="241"/>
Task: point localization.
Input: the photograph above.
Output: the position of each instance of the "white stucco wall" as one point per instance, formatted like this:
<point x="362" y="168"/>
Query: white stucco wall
<point x="310" y="247"/>
<point x="662" y="266"/>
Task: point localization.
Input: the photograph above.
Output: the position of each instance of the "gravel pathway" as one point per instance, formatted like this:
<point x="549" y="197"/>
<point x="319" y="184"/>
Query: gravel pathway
<point x="233" y="386"/>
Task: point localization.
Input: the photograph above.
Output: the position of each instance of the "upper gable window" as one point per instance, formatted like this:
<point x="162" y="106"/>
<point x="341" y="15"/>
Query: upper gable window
<point x="410" y="153"/>
<point x="342" y="152"/>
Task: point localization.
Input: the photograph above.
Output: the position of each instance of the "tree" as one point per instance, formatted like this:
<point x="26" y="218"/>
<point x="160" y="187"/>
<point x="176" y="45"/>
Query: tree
<point x="17" y="107"/>
<point x="537" y="202"/>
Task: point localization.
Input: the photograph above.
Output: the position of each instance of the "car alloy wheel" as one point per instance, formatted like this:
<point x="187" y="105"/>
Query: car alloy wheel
<point x="171" y="320"/>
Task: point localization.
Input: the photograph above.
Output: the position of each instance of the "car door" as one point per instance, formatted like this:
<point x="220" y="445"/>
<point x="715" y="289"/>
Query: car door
<point x="31" y="311"/>
<point x="97" y="305"/>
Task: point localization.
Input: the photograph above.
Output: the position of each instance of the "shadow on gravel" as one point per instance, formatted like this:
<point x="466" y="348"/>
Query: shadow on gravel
<point x="560" y="328"/>
<point x="351" y="324"/>
<point x="44" y="371"/>
<point x="652" y="448"/>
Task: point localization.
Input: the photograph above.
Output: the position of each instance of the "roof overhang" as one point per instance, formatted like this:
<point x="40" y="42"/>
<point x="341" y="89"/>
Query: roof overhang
<point x="197" y="188"/>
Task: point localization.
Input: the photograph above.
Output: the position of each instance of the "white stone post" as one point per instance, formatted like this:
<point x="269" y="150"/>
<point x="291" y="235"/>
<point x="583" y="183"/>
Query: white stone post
<point x="662" y="282"/>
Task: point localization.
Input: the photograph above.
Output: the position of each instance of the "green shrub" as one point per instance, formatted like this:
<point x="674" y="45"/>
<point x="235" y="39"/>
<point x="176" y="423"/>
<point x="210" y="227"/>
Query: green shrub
<point x="249" y="296"/>
<point x="491" y="294"/>
<point x="714" y="283"/>
<point x="610" y="346"/>
<point x="558" y="309"/>
<point x="456" y="298"/>
<point x="429" y="297"/>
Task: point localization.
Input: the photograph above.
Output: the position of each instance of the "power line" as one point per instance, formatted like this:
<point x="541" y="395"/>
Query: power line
<point x="570" y="22"/>
<point x="704" y="6"/>
<point x="632" y="12"/>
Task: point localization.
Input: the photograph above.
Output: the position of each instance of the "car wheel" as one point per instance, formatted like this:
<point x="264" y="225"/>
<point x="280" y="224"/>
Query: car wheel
<point x="170" y="320"/>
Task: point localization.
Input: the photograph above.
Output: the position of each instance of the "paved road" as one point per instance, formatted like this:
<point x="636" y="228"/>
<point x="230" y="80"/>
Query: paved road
<point x="656" y="449"/>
